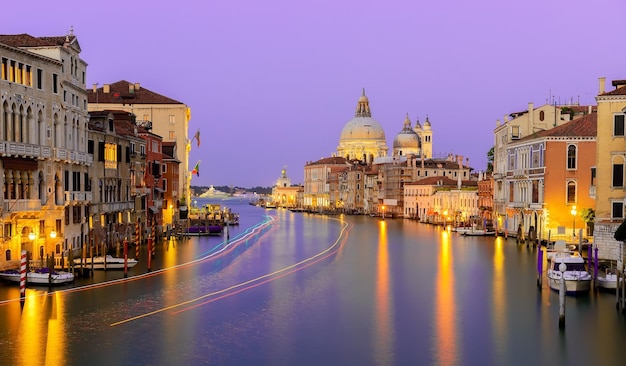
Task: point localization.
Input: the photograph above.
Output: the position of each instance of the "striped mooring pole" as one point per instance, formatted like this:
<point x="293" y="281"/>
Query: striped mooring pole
<point x="137" y="240"/>
<point x="23" y="276"/>
<point x="153" y="236"/>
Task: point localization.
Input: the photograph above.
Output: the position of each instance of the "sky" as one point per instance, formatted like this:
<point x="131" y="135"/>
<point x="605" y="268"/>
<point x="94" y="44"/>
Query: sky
<point x="272" y="83"/>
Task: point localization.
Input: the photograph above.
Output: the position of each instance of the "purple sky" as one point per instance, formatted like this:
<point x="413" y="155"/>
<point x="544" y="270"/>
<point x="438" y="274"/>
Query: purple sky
<point x="272" y="83"/>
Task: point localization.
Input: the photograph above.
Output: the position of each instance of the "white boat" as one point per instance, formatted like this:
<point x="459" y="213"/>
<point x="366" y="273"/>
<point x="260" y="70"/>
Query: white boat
<point x="577" y="279"/>
<point x="608" y="281"/>
<point x="109" y="261"/>
<point x="474" y="231"/>
<point x="39" y="276"/>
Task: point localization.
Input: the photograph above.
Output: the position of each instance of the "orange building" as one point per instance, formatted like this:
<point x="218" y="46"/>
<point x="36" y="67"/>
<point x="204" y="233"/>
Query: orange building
<point x="550" y="176"/>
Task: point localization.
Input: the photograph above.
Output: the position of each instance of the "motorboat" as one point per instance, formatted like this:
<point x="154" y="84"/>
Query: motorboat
<point x="608" y="281"/>
<point x="38" y="276"/>
<point x="105" y="262"/>
<point x="577" y="279"/>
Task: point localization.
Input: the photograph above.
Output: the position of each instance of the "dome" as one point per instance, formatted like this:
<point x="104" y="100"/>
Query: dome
<point x="362" y="137"/>
<point x="407" y="141"/>
<point x="362" y="128"/>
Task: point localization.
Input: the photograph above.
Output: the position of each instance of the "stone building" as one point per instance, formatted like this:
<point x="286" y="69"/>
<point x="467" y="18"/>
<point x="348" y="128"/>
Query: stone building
<point x="43" y="147"/>
<point x="609" y="178"/>
<point x="167" y="118"/>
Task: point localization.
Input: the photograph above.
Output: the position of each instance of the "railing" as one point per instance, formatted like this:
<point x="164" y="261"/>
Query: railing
<point x="21" y="205"/>
<point x="78" y="196"/>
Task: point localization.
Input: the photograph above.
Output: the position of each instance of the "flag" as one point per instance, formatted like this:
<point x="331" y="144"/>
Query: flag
<point x="196" y="169"/>
<point x="197" y="137"/>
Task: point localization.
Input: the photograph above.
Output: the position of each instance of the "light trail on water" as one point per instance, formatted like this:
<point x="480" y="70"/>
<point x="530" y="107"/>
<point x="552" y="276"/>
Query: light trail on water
<point x="254" y="282"/>
<point x="215" y="252"/>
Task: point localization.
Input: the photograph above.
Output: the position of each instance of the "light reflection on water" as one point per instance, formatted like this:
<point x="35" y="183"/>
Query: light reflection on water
<point x="445" y="308"/>
<point x="395" y="293"/>
<point x="384" y="333"/>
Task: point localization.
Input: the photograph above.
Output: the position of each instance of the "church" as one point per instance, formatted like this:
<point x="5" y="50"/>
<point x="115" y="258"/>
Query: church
<point x="363" y="138"/>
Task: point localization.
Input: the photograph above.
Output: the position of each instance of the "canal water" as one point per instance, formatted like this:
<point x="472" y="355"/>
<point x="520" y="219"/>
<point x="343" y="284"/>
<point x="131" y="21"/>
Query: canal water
<point x="287" y="288"/>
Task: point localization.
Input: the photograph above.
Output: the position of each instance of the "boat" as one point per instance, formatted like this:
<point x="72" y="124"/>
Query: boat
<point x="577" y="279"/>
<point x="106" y="262"/>
<point x="608" y="281"/>
<point x="472" y="231"/>
<point x="38" y="276"/>
<point x="203" y="230"/>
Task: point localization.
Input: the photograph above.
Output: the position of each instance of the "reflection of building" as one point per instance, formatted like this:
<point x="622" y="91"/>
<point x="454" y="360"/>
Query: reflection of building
<point x="609" y="184"/>
<point x="283" y="193"/>
<point x="43" y="144"/>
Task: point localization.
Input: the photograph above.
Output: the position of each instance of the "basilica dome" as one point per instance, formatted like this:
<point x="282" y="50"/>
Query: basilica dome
<point x="362" y="137"/>
<point x="407" y="141"/>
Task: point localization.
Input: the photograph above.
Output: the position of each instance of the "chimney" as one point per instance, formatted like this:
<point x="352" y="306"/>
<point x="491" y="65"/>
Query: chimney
<point x="505" y="119"/>
<point x="531" y="115"/>
<point x="131" y="88"/>
<point x="602" y="82"/>
<point x="95" y="88"/>
<point x="106" y="88"/>
<point x="590" y="109"/>
<point x="137" y="86"/>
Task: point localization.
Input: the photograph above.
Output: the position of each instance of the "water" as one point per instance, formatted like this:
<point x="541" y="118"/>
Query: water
<point x="301" y="289"/>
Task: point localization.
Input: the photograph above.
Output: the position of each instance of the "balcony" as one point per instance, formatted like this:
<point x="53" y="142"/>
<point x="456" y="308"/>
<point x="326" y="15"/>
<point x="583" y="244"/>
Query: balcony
<point x="520" y="173"/>
<point x="139" y="191"/>
<point x="77" y="197"/>
<point x="21" y="205"/>
<point x="18" y="149"/>
<point x="117" y="206"/>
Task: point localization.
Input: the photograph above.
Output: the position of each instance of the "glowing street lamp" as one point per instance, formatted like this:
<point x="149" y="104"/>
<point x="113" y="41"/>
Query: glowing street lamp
<point x="383" y="207"/>
<point x="573" y="221"/>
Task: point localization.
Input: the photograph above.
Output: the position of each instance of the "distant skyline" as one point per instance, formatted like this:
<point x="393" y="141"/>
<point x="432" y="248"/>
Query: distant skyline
<point x="271" y="84"/>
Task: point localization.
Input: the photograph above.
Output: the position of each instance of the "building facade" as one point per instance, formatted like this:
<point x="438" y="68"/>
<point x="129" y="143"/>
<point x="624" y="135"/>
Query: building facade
<point x="43" y="147"/>
<point x="165" y="117"/>
<point x="609" y="183"/>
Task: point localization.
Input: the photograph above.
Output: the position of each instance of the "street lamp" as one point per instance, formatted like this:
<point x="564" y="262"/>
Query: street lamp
<point x="383" y="211"/>
<point x="573" y="221"/>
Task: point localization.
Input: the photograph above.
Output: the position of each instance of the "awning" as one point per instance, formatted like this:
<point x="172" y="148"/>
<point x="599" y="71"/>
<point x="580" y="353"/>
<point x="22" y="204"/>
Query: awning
<point x="154" y="209"/>
<point x="159" y="189"/>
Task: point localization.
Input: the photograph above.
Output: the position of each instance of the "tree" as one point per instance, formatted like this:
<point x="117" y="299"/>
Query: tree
<point x="490" y="155"/>
<point x="589" y="217"/>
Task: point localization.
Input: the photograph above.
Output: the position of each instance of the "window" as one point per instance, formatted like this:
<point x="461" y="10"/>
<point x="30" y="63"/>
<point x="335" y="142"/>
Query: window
<point x="172" y="135"/>
<point x="618" y="175"/>
<point x="39" y="79"/>
<point x="617" y="211"/>
<point x="515" y="133"/>
<point x="542" y="116"/>
<point x="535" y="197"/>
<point x="164" y="168"/>
<point x="593" y="176"/>
<point x="146" y="117"/>
<point x="571" y="192"/>
<point x="110" y="156"/>
<point x="571" y="157"/>
<point x="55" y="87"/>
<point x="172" y="119"/>
<point x="618" y="125"/>
<point x="511" y="193"/>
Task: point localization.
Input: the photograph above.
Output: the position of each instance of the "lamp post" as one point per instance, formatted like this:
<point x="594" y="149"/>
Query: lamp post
<point x="573" y="222"/>
<point x="383" y="211"/>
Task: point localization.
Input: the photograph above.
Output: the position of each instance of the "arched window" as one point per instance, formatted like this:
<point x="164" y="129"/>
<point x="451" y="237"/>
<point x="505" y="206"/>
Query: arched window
<point x="542" y="115"/>
<point x="571" y="157"/>
<point x="571" y="192"/>
<point x="7" y="255"/>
